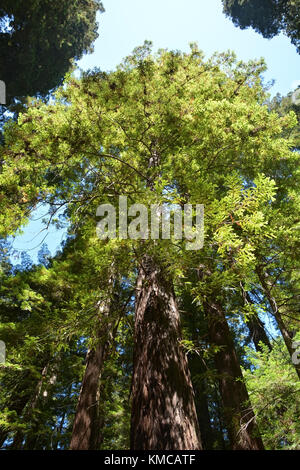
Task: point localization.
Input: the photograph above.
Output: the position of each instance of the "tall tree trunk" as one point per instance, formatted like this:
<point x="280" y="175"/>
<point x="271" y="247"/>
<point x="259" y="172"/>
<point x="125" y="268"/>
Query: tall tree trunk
<point x="86" y="430"/>
<point x="239" y="416"/>
<point x="84" y="434"/>
<point x="287" y="336"/>
<point x="163" y="409"/>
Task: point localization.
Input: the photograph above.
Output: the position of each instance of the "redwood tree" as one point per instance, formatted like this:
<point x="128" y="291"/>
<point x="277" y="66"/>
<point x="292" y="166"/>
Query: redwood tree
<point x="163" y="410"/>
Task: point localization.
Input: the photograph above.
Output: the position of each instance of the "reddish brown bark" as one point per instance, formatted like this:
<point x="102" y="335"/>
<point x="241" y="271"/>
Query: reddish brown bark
<point x="163" y="409"/>
<point x="86" y="434"/>
<point x="85" y="430"/>
<point x="87" y="427"/>
<point x="238" y="413"/>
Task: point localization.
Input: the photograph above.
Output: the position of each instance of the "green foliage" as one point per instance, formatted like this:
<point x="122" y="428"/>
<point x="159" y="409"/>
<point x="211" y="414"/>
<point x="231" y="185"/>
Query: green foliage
<point x="283" y="105"/>
<point x="274" y="394"/>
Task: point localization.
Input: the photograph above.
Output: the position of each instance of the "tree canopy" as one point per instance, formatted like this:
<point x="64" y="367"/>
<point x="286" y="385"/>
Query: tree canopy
<point x="169" y="128"/>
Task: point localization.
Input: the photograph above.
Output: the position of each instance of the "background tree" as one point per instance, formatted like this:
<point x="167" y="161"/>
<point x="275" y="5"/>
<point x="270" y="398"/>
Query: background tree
<point x="268" y="17"/>
<point x="39" y="41"/>
<point x="283" y="105"/>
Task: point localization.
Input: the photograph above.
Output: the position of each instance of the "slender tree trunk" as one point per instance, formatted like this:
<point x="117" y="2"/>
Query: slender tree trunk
<point x="203" y="418"/>
<point x="239" y="416"/>
<point x="17" y="443"/>
<point x="18" y="408"/>
<point x="163" y="409"/>
<point x="86" y="431"/>
<point x="3" y="436"/>
<point x="287" y="336"/>
<point x="258" y="333"/>
<point x="256" y="326"/>
<point x="220" y="426"/>
<point x="201" y="402"/>
<point x="59" y="431"/>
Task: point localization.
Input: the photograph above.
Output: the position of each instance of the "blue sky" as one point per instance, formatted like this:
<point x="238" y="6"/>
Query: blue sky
<point x="173" y="24"/>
